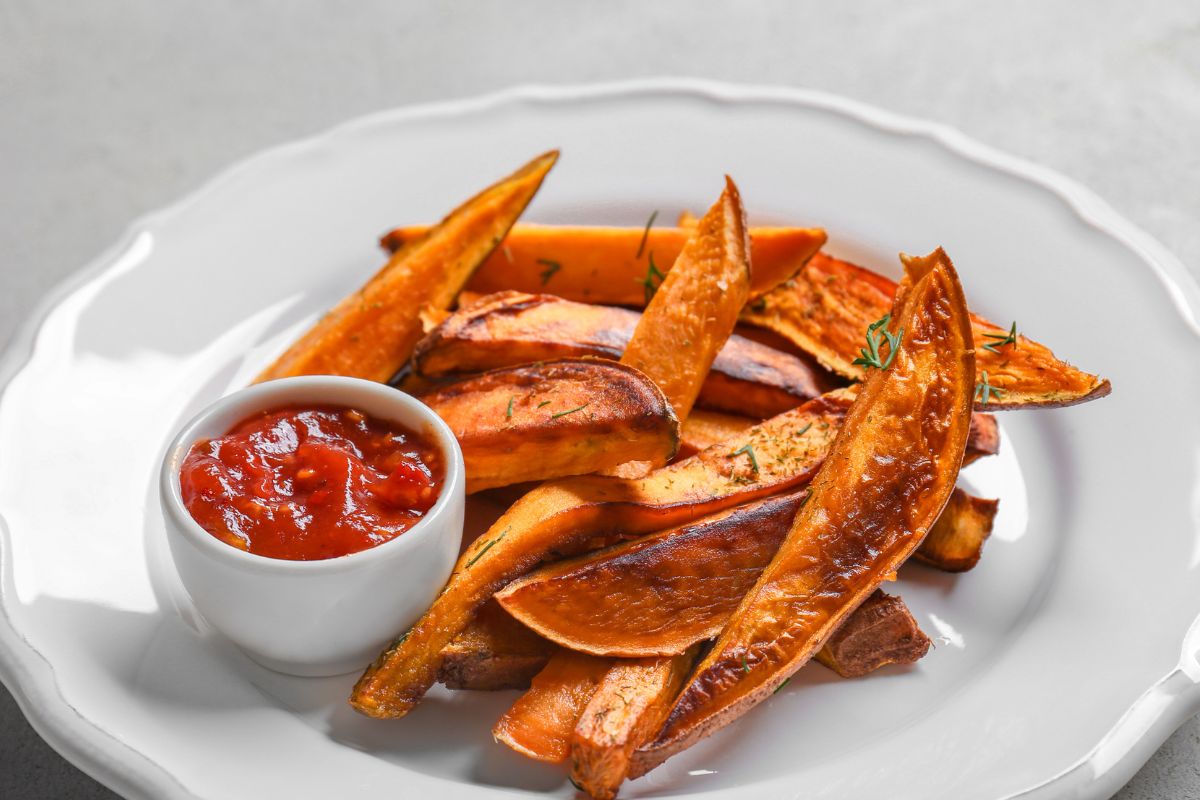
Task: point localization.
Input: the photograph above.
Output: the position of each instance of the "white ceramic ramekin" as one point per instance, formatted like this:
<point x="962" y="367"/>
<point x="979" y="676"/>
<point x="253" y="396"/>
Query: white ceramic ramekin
<point x="324" y="617"/>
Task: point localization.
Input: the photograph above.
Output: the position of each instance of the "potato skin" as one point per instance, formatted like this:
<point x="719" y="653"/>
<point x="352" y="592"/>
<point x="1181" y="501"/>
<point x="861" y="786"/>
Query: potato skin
<point x="881" y="631"/>
<point x="509" y="328"/>
<point x="826" y="308"/>
<point x="956" y="542"/>
<point x="553" y="419"/>
<point x="884" y="484"/>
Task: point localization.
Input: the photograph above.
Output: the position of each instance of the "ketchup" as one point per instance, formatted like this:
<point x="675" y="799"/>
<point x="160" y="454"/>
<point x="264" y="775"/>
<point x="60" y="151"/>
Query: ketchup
<point x="308" y="483"/>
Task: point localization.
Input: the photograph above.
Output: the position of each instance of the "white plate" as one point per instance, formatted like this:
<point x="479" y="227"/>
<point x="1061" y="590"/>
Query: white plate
<point x="1064" y="659"/>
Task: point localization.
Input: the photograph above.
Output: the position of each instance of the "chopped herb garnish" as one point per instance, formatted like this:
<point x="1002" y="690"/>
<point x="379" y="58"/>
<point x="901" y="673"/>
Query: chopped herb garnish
<point x="745" y="665"/>
<point x="543" y="403"/>
<point x="1002" y="339"/>
<point x="870" y="353"/>
<point x="786" y="681"/>
<point x="748" y="450"/>
<point x="485" y="548"/>
<point x="759" y="305"/>
<point x="646" y="233"/>
<point x="653" y="279"/>
<point x="984" y="391"/>
<point x="508" y="413"/>
<point x="551" y="268"/>
<point x="572" y="411"/>
<point x="804" y="430"/>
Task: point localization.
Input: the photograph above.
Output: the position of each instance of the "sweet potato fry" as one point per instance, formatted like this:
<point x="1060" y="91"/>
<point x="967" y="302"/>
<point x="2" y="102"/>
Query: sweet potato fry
<point x="540" y="723"/>
<point x="624" y="712"/>
<point x="694" y="310"/>
<point x="556" y="418"/>
<point x="879" y="632"/>
<point x="956" y="541"/>
<point x="888" y="476"/>
<point x="494" y="652"/>
<point x="827" y="307"/>
<point x="605" y="265"/>
<point x="371" y="333"/>
<point x="510" y="328"/>
<point x="660" y="594"/>
<point x="558" y="517"/>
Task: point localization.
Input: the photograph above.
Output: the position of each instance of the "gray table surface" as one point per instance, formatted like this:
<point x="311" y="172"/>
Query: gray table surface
<point x="111" y="110"/>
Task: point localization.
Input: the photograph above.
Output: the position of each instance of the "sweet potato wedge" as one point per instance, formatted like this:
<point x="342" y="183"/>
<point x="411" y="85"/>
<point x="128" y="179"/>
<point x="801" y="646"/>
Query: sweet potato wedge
<point x="494" y="652"/>
<point x="540" y="723"/>
<point x="827" y="307"/>
<point x="606" y="265"/>
<point x="556" y="418"/>
<point x="693" y="312"/>
<point x="624" y="712"/>
<point x="660" y="594"/>
<point x="886" y="479"/>
<point x="881" y="631"/>
<point x="956" y="541"/>
<point x="371" y="333"/>
<point x="510" y="328"/>
<point x="556" y="518"/>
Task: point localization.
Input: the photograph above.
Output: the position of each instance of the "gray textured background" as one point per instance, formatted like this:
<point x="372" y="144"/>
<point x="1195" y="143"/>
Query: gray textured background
<point x="110" y="110"/>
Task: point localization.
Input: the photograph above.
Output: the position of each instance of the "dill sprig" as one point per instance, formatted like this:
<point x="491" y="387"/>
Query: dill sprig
<point x="487" y="546"/>
<point x="1001" y="339"/>
<point x="984" y="390"/>
<point x="653" y="279"/>
<point x="748" y="449"/>
<point x="646" y="233"/>
<point x="508" y="413"/>
<point x="572" y="411"/>
<point x="779" y="688"/>
<point x="551" y="267"/>
<point x="877" y="332"/>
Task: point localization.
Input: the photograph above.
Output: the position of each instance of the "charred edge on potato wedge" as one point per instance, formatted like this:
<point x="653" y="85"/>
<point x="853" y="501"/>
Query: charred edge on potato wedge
<point x="956" y="542"/>
<point x="556" y="418"/>
<point x="880" y="632"/>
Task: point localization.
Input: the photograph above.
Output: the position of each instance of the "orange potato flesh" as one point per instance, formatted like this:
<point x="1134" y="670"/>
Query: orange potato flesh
<point x="371" y="333"/>
<point x="605" y="265"/>
<point x="956" y="542"/>
<point x="557" y="518"/>
<point x="539" y="724"/>
<point x="693" y="312"/>
<point x="509" y="328"/>
<point x="624" y="712"/>
<point x="886" y="479"/>
<point x="553" y="419"/>
<point x="826" y="308"/>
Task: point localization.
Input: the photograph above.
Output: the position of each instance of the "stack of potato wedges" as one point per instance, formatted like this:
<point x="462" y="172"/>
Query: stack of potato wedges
<point x="715" y="442"/>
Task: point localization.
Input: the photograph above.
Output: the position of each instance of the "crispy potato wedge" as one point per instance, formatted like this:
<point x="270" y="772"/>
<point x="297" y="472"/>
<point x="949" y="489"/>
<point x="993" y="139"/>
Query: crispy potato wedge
<point x="371" y="333"/>
<point x="693" y="312"/>
<point x="660" y="594"/>
<point x="540" y="723"/>
<point x="826" y="308"/>
<point x="557" y="518"/>
<point x="983" y="439"/>
<point x="625" y="711"/>
<point x="881" y="631"/>
<point x="556" y="418"/>
<point x="494" y="652"/>
<point x="956" y="541"/>
<point x="606" y="265"/>
<point x="884" y="484"/>
<point x="509" y="328"/>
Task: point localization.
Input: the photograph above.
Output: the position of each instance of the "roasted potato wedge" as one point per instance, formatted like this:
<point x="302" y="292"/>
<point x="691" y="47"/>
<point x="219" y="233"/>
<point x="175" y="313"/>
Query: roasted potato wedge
<point x="827" y="307"/>
<point x="606" y="265"/>
<point x="693" y="312"/>
<point x="555" y="418"/>
<point x="371" y="333"/>
<point x="540" y="723"/>
<point x="558" y="517"/>
<point x="625" y="711"/>
<point x="956" y="542"/>
<point x="881" y="631"/>
<point x="884" y="484"/>
<point x="494" y="652"/>
<point x="510" y="328"/>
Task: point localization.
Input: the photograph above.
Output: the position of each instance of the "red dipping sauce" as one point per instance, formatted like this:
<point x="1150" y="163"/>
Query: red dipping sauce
<point x="310" y="483"/>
